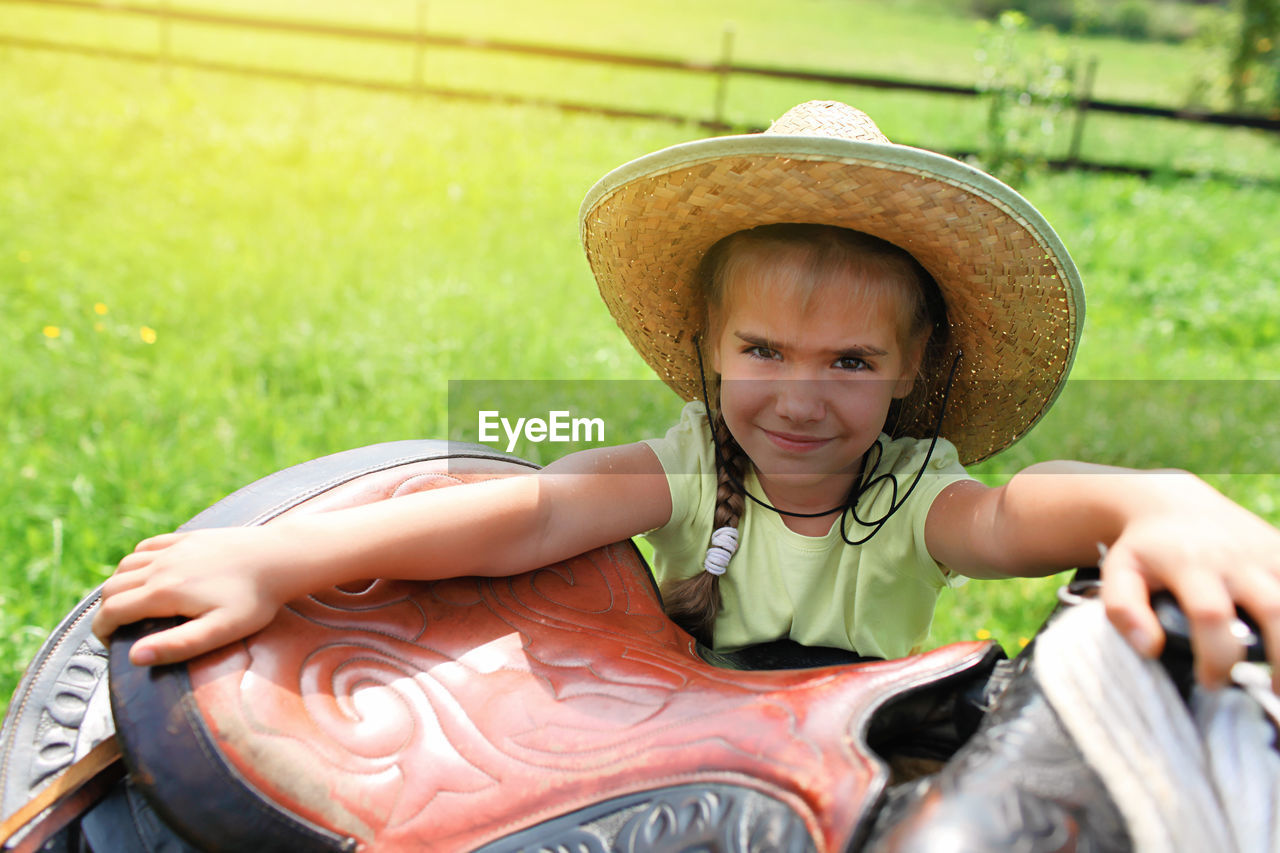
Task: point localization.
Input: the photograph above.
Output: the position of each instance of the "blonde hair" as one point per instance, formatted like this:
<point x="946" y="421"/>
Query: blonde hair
<point x="819" y="252"/>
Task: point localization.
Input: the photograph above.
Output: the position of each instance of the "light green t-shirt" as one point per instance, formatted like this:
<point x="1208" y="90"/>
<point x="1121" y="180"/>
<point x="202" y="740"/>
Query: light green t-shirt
<point x="875" y="599"/>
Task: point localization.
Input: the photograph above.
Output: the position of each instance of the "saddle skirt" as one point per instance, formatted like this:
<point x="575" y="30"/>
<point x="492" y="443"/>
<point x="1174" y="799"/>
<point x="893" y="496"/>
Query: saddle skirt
<point x="501" y="714"/>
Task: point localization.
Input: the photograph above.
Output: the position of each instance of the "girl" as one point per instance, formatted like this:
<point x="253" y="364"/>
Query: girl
<point x="814" y="497"/>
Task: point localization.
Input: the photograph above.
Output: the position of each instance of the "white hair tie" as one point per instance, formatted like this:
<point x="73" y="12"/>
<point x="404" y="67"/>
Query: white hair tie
<point x="724" y="543"/>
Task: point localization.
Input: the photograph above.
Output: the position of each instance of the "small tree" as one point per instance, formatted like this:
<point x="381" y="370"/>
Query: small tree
<point x="1026" y="93"/>
<point x="1255" y="62"/>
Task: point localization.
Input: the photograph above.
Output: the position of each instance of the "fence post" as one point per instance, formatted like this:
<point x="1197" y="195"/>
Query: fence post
<point x="1083" y="96"/>
<point x="420" y="47"/>
<point x="722" y="79"/>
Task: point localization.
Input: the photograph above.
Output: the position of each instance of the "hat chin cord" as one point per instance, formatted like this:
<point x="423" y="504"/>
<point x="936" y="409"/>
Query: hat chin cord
<point x="865" y="481"/>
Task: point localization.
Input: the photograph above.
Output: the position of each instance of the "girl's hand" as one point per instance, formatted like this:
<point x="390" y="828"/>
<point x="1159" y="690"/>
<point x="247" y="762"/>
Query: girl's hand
<point x="230" y="582"/>
<point x="1211" y="555"/>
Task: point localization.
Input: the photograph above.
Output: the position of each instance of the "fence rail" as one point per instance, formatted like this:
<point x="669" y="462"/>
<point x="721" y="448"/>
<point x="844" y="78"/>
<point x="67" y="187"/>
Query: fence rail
<point x="1083" y="103"/>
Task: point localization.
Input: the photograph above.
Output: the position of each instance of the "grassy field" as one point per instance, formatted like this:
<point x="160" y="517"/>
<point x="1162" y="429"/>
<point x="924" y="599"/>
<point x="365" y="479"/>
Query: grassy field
<point x="205" y="279"/>
<point x="924" y="40"/>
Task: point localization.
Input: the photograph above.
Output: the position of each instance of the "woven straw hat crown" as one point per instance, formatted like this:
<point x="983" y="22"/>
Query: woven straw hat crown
<point x="1014" y="300"/>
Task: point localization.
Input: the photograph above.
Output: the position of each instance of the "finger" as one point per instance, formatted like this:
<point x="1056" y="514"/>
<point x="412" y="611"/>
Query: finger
<point x="185" y="641"/>
<point x="102" y="628"/>
<point x="135" y="560"/>
<point x="1211" y="612"/>
<point x="146" y="551"/>
<point x="1259" y="591"/>
<point x="105" y="622"/>
<point x="122" y="581"/>
<point x="155" y="543"/>
<point x="1127" y="599"/>
<point x="132" y="605"/>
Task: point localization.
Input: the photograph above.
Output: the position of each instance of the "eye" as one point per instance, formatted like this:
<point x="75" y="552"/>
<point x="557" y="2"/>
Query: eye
<point x="853" y="363"/>
<point x="761" y="352"/>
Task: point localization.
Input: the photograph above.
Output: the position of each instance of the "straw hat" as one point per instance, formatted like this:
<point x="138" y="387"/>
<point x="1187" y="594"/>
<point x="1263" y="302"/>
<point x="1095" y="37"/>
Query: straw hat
<point x="1014" y="298"/>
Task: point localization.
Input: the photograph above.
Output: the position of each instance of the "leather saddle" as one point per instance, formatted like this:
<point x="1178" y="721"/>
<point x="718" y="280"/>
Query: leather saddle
<point x="556" y="710"/>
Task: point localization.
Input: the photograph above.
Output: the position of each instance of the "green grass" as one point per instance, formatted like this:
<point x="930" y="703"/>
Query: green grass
<point x="908" y="40"/>
<point x="862" y="36"/>
<point x="317" y="265"/>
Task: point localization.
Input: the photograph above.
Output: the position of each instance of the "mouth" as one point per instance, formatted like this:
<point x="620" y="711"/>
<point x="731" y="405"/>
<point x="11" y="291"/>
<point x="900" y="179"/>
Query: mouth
<point x="793" y="443"/>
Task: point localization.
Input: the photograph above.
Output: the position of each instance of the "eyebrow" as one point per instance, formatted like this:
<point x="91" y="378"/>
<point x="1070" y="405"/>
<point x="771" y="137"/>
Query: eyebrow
<point x="855" y="351"/>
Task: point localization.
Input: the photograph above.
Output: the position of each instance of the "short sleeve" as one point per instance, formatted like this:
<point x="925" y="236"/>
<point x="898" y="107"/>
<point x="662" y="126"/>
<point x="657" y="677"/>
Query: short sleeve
<point x="907" y="458"/>
<point x="687" y="458"/>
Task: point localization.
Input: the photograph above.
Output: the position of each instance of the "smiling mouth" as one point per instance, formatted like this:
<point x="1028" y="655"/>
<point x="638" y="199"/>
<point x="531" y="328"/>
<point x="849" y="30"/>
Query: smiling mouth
<point x="795" y="443"/>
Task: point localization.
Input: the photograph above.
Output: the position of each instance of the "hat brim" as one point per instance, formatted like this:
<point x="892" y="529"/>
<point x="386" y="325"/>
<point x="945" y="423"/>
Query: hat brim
<point x="1014" y="299"/>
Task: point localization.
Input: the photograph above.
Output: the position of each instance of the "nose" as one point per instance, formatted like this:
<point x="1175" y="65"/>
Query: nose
<point x="800" y="401"/>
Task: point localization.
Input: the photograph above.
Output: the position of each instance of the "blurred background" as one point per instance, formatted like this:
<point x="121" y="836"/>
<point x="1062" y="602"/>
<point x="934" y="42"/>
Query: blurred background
<point x="238" y="235"/>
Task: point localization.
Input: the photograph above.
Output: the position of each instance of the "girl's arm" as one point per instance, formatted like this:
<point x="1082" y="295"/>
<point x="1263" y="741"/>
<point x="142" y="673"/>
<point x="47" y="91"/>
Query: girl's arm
<point x="231" y="581"/>
<point x="1163" y="530"/>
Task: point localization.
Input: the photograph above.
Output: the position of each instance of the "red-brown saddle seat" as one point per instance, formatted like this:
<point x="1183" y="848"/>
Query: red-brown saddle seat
<point x="464" y="713"/>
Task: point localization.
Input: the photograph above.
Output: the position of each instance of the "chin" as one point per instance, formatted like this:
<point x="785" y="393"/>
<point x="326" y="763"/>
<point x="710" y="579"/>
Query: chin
<point x="800" y="472"/>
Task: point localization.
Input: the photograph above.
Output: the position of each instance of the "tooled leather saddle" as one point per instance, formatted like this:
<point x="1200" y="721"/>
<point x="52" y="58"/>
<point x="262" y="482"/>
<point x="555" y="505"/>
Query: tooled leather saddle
<point x="558" y="710"/>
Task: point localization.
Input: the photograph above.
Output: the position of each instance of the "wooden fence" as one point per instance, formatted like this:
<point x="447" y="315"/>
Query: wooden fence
<point x="723" y="70"/>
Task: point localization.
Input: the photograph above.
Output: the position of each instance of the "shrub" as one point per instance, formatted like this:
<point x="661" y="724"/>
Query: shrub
<point x="1026" y="93"/>
<point x="1132" y="19"/>
<point x="1255" y="61"/>
<point x="1151" y="20"/>
<point x="1242" y="70"/>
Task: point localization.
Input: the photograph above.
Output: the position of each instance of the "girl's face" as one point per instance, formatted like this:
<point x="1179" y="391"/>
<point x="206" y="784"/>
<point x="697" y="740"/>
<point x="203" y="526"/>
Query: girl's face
<point x="808" y="370"/>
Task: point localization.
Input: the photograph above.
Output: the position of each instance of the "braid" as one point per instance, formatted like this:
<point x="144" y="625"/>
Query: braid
<point x="730" y="467"/>
<point x="693" y="603"/>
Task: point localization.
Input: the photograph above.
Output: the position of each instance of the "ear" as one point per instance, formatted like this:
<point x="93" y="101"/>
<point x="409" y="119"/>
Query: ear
<point x="911" y="367"/>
